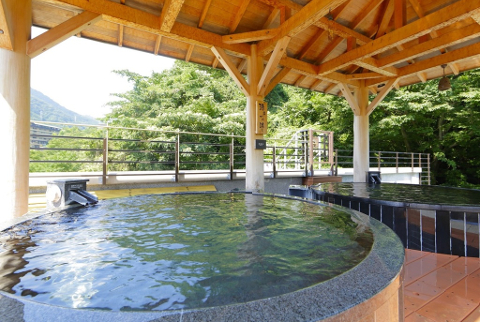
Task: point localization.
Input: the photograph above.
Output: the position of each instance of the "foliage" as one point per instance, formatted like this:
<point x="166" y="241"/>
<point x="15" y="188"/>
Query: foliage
<point x="192" y="98"/>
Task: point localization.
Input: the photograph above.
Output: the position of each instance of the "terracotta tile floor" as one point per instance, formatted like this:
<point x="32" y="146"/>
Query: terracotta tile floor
<point x="441" y="288"/>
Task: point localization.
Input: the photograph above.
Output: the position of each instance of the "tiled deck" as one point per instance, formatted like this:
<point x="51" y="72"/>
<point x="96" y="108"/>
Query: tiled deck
<point x="440" y="287"/>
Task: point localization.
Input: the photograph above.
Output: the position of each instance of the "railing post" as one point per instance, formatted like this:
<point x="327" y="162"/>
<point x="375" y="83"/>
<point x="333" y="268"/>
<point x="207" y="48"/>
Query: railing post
<point x="177" y="157"/>
<point x="428" y="168"/>
<point x="232" y="161"/>
<point x="420" y="166"/>
<point x="105" y="159"/>
<point x="378" y="159"/>
<point x="396" y="161"/>
<point x="310" y="151"/>
<point x="413" y="161"/>
<point x="274" y="161"/>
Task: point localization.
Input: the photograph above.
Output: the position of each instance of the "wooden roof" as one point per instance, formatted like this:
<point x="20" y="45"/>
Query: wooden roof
<point x="329" y="43"/>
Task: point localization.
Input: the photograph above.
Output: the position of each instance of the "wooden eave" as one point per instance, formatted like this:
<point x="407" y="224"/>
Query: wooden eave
<point x="331" y="42"/>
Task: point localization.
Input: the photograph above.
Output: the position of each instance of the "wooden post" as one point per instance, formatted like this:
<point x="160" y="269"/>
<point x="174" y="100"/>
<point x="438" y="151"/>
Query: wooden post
<point x="15" y="109"/>
<point x="254" y="180"/>
<point x="361" y="136"/>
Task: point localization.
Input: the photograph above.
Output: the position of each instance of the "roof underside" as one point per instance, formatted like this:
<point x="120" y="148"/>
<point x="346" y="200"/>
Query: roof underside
<point x="329" y="42"/>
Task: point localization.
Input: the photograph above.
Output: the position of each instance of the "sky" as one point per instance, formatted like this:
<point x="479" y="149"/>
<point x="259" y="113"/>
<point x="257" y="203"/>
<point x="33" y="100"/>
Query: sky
<point x="77" y="73"/>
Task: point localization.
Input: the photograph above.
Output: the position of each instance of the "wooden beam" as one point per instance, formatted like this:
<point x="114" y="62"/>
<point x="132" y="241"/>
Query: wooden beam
<point x="417" y="8"/>
<point x="239" y="15"/>
<point x="386" y="18"/>
<point x="215" y="62"/>
<point x="449" y="57"/>
<point x="454" y="68"/>
<point x="63" y="31"/>
<point x="120" y="35"/>
<point x="380" y="96"/>
<point x="330" y="88"/>
<point x="158" y="42"/>
<point x="458" y="11"/>
<point x="303" y="19"/>
<point x="271" y="18"/>
<point x="422" y="76"/>
<point x="315" y="84"/>
<point x="138" y="19"/>
<point x="448" y="39"/>
<point x="400" y="13"/>
<point x="365" y="12"/>
<point x="300" y="80"/>
<point x="350" y="99"/>
<point x="372" y="65"/>
<point x="204" y="13"/>
<point x="280" y="49"/>
<point x="311" y="42"/>
<point x="277" y="79"/>
<point x="170" y="11"/>
<point x="232" y="70"/>
<point x="189" y="53"/>
<point x="242" y="65"/>
<point x="251" y="36"/>
<point x="363" y="76"/>
<point x="5" y="37"/>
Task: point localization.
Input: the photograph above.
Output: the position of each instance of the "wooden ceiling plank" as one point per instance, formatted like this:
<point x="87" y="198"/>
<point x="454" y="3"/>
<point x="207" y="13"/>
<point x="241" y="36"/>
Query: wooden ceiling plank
<point x="303" y="19"/>
<point x="443" y="17"/>
<point x="311" y="42"/>
<point x="5" y="36"/>
<point x="327" y="50"/>
<point x="268" y="72"/>
<point x="120" y="35"/>
<point x="239" y="15"/>
<point x="449" y="57"/>
<point x="330" y="88"/>
<point x="386" y="18"/>
<point x="204" y="13"/>
<point x="277" y="79"/>
<point x="245" y="37"/>
<point x="169" y="14"/>
<point x="188" y="56"/>
<point x="231" y="69"/>
<point x="158" y="42"/>
<point x="448" y="39"/>
<point x="299" y="80"/>
<point x="271" y="18"/>
<point x="380" y="96"/>
<point x="63" y="31"/>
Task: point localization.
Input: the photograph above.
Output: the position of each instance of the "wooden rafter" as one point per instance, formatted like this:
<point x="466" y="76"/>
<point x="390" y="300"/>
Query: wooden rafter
<point x="251" y="36"/>
<point x="303" y="19"/>
<point x="189" y="53"/>
<point x="204" y="13"/>
<point x="300" y="80"/>
<point x="120" y="35"/>
<point x="231" y="69"/>
<point x="328" y="50"/>
<point x="135" y="18"/>
<point x="158" y="43"/>
<point x="372" y="65"/>
<point x="365" y="12"/>
<point x="400" y="13"/>
<point x="170" y="11"/>
<point x="215" y="62"/>
<point x="280" y="49"/>
<point x="386" y="18"/>
<point x="61" y="32"/>
<point x="363" y="76"/>
<point x="242" y="65"/>
<point x="239" y="15"/>
<point x="271" y="18"/>
<point x="5" y="37"/>
<point x="443" y="17"/>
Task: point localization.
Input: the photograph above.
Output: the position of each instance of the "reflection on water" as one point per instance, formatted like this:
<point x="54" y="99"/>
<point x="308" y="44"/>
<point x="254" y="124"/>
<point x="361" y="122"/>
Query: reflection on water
<point x="178" y="251"/>
<point x="408" y="193"/>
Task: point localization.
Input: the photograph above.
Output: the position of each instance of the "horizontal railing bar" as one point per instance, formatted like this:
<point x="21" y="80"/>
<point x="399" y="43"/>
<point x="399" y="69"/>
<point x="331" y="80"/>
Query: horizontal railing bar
<point x="64" y="161"/>
<point x="66" y="149"/>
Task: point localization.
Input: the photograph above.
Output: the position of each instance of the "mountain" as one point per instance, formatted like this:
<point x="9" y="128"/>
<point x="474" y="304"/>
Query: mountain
<point x="43" y="108"/>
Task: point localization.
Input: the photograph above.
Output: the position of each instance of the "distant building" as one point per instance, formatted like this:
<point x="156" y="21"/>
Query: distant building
<point x="38" y="132"/>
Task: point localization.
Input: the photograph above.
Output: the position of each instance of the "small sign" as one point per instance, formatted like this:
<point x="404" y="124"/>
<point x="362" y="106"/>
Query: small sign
<point x="261" y="118"/>
<point x="260" y="144"/>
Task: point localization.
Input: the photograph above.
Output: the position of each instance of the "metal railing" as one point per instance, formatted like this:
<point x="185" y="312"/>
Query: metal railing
<point x="170" y="153"/>
<point x="389" y="159"/>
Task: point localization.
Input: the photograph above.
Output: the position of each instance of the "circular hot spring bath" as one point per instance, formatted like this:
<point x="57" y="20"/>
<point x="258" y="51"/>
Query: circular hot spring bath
<point x="428" y="218"/>
<point x="199" y="257"/>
